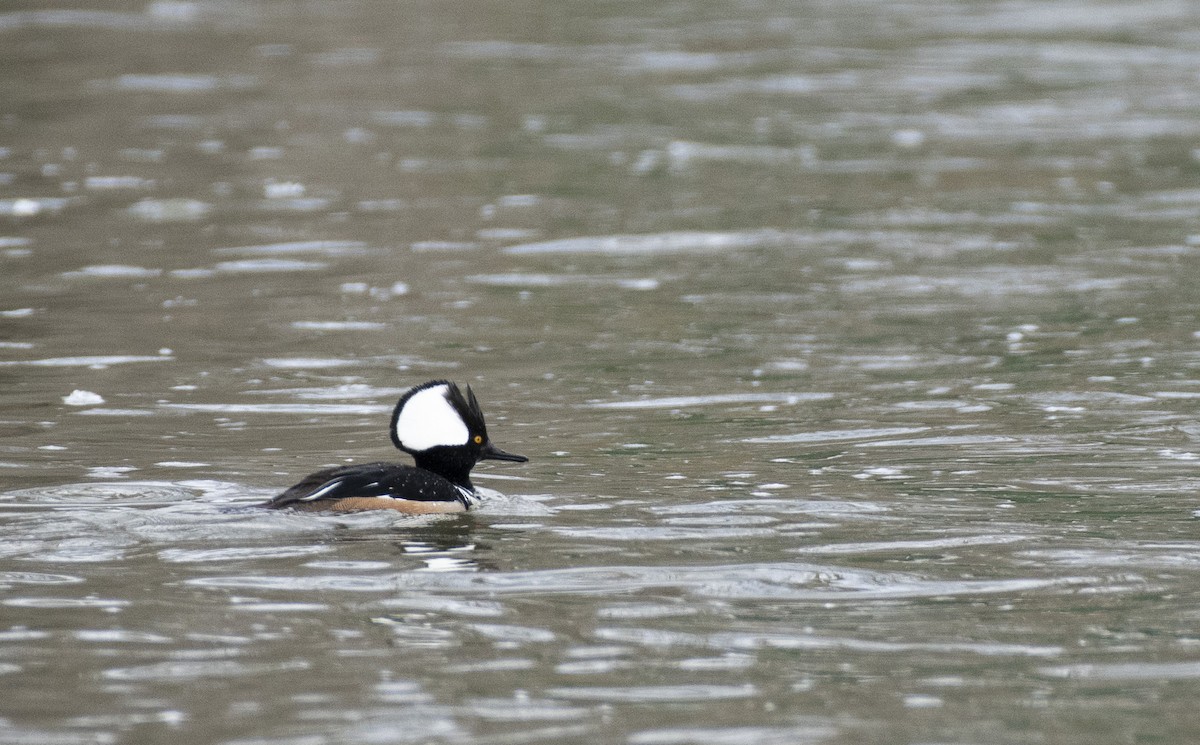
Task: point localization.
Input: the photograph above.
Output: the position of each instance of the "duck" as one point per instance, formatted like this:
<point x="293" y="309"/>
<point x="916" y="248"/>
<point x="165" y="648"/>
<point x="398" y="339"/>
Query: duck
<point x="442" y="428"/>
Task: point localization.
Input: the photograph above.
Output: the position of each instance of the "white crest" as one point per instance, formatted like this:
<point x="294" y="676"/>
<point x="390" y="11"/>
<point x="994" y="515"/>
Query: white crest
<point x="428" y="420"/>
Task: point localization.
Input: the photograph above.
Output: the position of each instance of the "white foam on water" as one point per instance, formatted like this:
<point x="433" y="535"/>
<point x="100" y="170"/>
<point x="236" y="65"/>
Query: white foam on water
<point x="94" y="361"/>
<point x="323" y="248"/>
<point x="652" y="243"/>
<point x="716" y="399"/>
<point x="835" y="435"/>
<point x="255" y="266"/>
<point x="115" y="271"/>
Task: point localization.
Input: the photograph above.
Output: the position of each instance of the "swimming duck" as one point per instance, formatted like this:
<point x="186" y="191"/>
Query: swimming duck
<point x="442" y="429"/>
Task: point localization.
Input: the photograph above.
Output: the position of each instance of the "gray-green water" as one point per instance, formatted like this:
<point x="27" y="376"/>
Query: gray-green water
<point x="855" y="346"/>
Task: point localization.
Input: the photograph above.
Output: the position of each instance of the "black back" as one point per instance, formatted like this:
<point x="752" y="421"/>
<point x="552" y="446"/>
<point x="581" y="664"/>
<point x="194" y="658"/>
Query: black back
<point x="389" y="480"/>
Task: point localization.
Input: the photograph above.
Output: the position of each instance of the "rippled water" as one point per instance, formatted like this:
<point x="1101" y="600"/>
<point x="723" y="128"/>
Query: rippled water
<point x="854" y="346"/>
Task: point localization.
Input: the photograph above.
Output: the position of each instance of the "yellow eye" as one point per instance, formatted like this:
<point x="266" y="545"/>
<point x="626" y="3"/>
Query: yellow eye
<point x="478" y="439"/>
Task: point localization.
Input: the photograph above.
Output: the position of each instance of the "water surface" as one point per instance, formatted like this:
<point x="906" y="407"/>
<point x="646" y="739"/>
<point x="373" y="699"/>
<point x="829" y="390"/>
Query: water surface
<point x="854" y="347"/>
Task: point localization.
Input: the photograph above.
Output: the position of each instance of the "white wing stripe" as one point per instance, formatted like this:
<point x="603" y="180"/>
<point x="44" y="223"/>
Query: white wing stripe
<point x="322" y="491"/>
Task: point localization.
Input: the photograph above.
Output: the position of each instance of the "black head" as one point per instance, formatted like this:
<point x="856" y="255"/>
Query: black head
<point x="444" y="430"/>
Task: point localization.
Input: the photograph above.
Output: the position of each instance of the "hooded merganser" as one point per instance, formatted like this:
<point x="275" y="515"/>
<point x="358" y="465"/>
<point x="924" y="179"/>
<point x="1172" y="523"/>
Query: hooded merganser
<point x="444" y="432"/>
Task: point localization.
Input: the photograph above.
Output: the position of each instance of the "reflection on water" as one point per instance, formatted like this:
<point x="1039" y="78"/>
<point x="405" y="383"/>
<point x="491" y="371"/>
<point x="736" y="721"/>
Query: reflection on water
<point x="854" y="346"/>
